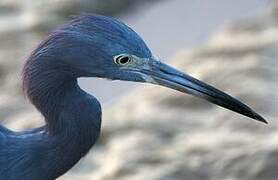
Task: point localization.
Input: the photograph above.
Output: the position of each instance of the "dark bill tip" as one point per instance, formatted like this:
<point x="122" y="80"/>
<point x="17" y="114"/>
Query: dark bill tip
<point x="259" y="118"/>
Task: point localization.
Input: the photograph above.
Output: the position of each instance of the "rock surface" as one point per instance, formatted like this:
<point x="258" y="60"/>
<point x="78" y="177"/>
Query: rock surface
<point x="160" y="134"/>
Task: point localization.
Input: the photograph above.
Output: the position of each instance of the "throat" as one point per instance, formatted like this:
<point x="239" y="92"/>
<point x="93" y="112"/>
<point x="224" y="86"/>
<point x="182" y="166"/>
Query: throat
<point x="51" y="95"/>
<point x="72" y="117"/>
<point x="66" y="108"/>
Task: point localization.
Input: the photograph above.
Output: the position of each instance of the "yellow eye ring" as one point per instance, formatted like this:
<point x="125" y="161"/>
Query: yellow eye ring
<point x="122" y="59"/>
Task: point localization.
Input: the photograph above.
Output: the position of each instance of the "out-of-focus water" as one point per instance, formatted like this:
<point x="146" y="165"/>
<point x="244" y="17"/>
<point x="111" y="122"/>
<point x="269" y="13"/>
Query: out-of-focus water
<point x="168" y="26"/>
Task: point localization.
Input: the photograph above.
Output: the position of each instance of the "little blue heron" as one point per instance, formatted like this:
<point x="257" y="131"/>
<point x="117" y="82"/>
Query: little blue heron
<point x="87" y="46"/>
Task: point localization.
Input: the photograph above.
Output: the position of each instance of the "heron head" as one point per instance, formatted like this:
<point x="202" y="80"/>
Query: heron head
<point x="104" y="47"/>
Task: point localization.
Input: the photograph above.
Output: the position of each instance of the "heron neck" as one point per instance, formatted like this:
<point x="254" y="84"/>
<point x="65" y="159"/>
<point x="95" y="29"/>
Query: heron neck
<point x="67" y="109"/>
<point x="54" y="91"/>
<point x="73" y="117"/>
<point x="47" y="90"/>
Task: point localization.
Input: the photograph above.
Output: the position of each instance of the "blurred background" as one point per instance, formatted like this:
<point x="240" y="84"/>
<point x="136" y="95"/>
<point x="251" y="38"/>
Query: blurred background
<point x="152" y="133"/>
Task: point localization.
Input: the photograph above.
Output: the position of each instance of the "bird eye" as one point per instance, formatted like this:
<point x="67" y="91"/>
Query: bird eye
<point x="122" y="59"/>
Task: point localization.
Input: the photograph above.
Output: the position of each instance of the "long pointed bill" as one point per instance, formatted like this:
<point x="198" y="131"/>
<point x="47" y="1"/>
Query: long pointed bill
<point x="167" y="76"/>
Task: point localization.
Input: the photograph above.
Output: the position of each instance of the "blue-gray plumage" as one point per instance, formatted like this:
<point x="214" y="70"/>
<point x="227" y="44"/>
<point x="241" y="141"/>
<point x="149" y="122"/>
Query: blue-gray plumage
<point x="88" y="46"/>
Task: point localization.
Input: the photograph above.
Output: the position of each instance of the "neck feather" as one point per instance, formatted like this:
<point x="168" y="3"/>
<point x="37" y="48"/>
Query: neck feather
<point x="73" y="117"/>
<point x="46" y="84"/>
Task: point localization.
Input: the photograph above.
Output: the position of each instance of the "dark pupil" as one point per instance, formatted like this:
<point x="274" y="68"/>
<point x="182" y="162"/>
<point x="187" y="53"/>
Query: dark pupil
<point x="123" y="59"/>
